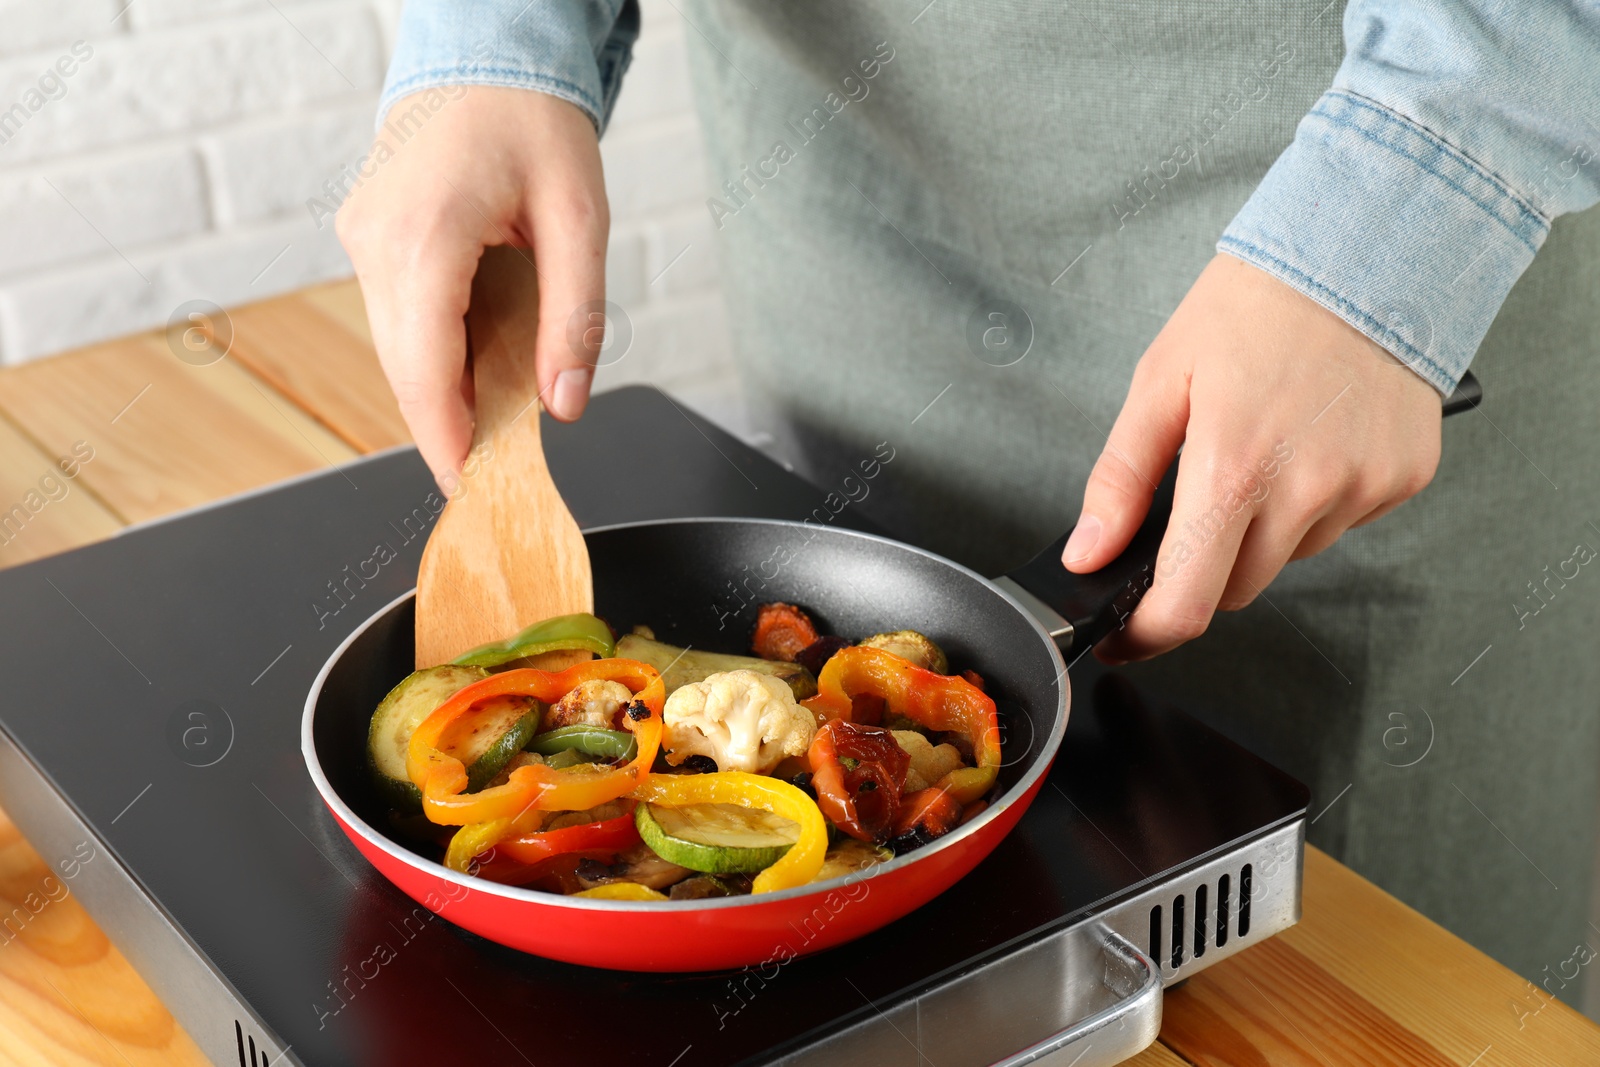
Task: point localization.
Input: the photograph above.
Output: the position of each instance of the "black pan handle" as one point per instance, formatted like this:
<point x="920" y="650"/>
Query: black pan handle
<point x="1093" y="605"/>
<point x="1468" y="395"/>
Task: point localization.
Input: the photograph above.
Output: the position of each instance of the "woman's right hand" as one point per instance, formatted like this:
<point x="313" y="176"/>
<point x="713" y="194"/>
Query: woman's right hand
<point x="490" y="166"/>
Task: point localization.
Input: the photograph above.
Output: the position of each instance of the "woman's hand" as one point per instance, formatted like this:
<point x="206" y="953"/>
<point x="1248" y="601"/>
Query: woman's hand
<point x="490" y="166"/>
<point x="1295" y="427"/>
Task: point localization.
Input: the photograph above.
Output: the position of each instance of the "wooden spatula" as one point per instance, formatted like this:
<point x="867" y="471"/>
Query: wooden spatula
<point x="505" y="552"/>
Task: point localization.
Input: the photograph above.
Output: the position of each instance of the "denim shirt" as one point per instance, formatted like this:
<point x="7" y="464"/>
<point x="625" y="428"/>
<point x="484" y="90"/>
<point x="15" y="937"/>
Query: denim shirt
<point x="1415" y="193"/>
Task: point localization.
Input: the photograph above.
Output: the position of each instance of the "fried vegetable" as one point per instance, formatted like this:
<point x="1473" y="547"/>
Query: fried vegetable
<point x="717" y="838"/>
<point x="705" y="886"/>
<point x="849" y="856"/>
<point x="858" y="773"/>
<point x="638" y="865"/>
<point x="396" y="719"/>
<point x="611" y="837"/>
<point x="564" y="633"/>
<point x="569" y="757"/>
<point x="596" y="702"/>
<point x="679" y="666"/>
<point x="912" y="646"/>
<point x="937" y="703"/>
<point x="443" y="778"/>
<point x="782" y="632"/>
<point x="817" y="654"/>
<point x="799" y="864"/>
<point x="621" y="891"/>
<point x="743" y="720"/>
<point x="611" y="809"/>
<point x="932" y="811"/>
<point x="487" y="741"/>
<point x="594" y="741"/>
<point x="521" y="759"/>
<point x="929" y="762"/>
<point x="477" y="838"/>
<point x="530" y="837"/>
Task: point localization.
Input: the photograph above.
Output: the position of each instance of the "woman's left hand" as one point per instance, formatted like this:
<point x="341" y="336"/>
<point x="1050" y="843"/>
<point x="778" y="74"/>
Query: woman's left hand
<point x="1295" y="427"/>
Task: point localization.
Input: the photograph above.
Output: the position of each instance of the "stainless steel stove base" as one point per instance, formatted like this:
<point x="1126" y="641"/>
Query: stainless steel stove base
<point x="1089" y="994"/>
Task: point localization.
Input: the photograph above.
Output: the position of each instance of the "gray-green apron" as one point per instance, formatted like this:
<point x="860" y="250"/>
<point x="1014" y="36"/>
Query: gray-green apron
<point x="1010" y="155"/>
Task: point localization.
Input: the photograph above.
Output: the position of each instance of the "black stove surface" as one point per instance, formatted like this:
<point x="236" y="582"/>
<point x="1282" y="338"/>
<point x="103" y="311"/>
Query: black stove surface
<point x="157" y="679"/>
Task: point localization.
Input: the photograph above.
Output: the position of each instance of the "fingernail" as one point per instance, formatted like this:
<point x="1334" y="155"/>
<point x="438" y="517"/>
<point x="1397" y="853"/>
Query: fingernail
<point x="572" y="389"/>
<point x="1084" y="537"/>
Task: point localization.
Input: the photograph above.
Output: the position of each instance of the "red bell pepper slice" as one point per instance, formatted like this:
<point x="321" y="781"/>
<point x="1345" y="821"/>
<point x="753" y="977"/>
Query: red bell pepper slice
<point x="610" y="835"/>
<point x="858" y="773"/>
<point x="938" y="702"/>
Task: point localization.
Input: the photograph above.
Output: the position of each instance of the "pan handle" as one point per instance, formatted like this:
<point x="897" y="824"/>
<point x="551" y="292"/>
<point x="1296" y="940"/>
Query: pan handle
<point x="1080" y="609"/>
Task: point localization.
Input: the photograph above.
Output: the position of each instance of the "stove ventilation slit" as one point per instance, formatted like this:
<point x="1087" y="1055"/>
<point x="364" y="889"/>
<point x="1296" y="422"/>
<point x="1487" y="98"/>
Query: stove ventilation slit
<point x="1224" y="884"/>
<point x="249" y="1058"/>
<point x="1178" y="928"/>
<point x="1201" y="919"/>
<point x="1245" y="892"/>
<point x="1155" y="933"/>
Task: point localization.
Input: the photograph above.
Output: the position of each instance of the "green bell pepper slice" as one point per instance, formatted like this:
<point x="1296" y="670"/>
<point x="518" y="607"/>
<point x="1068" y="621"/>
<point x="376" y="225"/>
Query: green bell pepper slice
<point x="552" y="635"/>
<point x="589" y="740"/>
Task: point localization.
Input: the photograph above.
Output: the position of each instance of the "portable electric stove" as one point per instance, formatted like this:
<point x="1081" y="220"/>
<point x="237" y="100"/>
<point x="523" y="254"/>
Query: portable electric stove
<point x="152" y="755"/>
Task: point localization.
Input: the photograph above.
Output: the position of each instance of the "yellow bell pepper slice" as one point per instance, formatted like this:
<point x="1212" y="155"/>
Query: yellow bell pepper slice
<point x="622" y="891"/>
<point x="474" y="839"/>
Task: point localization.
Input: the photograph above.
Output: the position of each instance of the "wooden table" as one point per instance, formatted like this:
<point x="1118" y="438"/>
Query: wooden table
<point x="1362" y="980"/>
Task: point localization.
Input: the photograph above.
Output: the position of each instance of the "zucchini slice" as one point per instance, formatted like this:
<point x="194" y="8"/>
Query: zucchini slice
<point x="485" y="748"/>
<point x="680" y="666"/>
<point x="398" y="716"/>
<point x="498" y="730"/>
<point x="716" y="838"/>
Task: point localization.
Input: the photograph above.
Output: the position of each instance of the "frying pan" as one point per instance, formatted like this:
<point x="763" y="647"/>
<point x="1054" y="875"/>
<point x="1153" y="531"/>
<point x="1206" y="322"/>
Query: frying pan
<point x="697" y="583"/>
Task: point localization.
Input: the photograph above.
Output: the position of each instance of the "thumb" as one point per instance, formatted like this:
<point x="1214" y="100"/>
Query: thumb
<point x="418" y="332"/>
<point x="1145" y="438"/>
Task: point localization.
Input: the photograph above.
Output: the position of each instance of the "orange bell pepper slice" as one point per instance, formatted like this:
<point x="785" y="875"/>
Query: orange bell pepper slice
<point x="939" y="702"/>
<point x="443" y="779"/>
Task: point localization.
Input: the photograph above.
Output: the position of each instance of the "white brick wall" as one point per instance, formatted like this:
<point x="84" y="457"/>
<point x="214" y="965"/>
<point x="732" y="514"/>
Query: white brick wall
<point x="169" y="157"/>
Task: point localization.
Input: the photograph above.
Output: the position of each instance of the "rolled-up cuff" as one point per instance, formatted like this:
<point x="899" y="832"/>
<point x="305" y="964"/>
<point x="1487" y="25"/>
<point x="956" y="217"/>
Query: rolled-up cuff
<point x="577" y="50"/>
<point x="1392" y="229"/>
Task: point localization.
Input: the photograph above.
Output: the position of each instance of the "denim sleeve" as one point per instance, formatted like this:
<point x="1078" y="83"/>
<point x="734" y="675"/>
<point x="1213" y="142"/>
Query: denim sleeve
<point x="1419" y="187"/>
<point x="577" y="50"/>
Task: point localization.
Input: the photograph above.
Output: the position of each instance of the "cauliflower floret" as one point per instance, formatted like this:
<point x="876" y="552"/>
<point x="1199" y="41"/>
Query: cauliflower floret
<point x="592" y="703"/>
<point x="929" y="762"/>
<point x="745" y="720"/>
